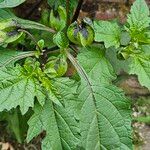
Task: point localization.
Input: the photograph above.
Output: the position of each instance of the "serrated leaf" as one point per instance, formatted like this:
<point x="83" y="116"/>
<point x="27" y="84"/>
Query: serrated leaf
<point x="10" y="3"/>
<point x="105" y="117"/>
<point x="59" y="122"/>
<point x="17" y="89"/>
<point x="138" y="18"/>
<point x="107" y="32"/>
<point x="140" y="66"/>
<point x="96" y="65"/>
<point x="105" y="121"/>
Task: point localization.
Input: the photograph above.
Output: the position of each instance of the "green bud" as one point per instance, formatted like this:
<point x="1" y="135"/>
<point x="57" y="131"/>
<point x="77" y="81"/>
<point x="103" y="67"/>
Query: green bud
<point x="58" y="21"/>
<point x="124" y="52"/>
<point x="81" y="34"/>
<point x="122" y="55"/>
<point x="41" y="44"/>
<point x="45" y="17"/>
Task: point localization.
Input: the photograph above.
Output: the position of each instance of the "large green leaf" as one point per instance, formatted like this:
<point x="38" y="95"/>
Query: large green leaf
<point x="140" y="66"/>
<point x="18" y="89"/>
<point x="138" y="18"/>
<point x="96" y="65"/>
<point x="10" y="3"/>
<point x="107" y="32"/>
<point x="59" y="122"/>
<point x="105" y="117"/>
<point x="105" y="120"/>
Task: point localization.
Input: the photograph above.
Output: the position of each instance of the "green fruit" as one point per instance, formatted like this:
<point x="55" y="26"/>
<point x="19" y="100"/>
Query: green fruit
<point x="81" y="34"/>
<point x="56" y="67"/>
<point x="58" y="21"/>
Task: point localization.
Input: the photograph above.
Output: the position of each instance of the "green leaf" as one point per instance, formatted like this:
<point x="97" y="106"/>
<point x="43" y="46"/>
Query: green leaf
<point x="58" y="22"/>
<point x="5" y="14"/>
<point x="27" y="24"/>
<point x="10" y="3"/>
<point x="118" y="65"/>
<point x="138" y="19"/>
<point x="59" y="122"/>
<point x="9" y="37"/>
<point x="105" y="117"/>
<point x="8" y="20"/>
<point x="18" y="89"/>
<point x="96" y="65"/>
<point x="102" y="107"/>
<point x="107" y="32"/>
<point x="140" y="66"/>
<point x="61" y="40"/>
<point x="8" y="56"/>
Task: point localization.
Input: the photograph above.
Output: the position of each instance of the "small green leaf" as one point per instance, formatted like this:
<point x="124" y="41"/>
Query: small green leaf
<point x="58" y="22"/>
<point x="125" y="38"/>
<point x="138" y="19"/>
<point x="61" y="40"/>
<point x="107" y="32"/>
<point x="10" y="3"/>
<point x="140" y="66"/>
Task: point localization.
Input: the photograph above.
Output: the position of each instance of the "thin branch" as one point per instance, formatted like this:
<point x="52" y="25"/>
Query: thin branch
<point x="77" y="12"/>
<point x="68" y="12"/>
<point x="51" y="50"/>
<point x="31" y="36"/>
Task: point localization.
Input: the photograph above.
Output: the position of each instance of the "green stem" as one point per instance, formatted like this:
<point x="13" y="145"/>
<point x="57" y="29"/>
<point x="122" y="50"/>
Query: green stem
<point x="67" y="11"/>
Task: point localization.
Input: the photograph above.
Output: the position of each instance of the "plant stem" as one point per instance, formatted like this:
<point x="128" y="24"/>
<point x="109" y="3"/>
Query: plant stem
<point x="31" y="36"/>
<point x="67" y="11"/>
<point x="51" y="50"/>
<point x="77" y="12"/>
